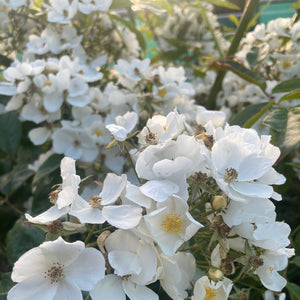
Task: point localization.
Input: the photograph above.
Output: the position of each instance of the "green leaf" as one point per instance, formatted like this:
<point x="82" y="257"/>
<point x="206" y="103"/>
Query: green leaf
<point x="234" y="20"/>
<point x="253" y="56"/>
<point x="245" y="115"/>
<point x="294" y="290"/>
<point x="277" y="121"/>
<point x="10" y="133"/>
<point x="294" y="165"/>
<point x="295" y="5"/>
<point x="295" y="94"/>
<point x="253" y="21"/>
<point x="223" y="3"/>
<point x="240" y="70"/>
<point x="292" y="136"/>
<point x="50" y="165"/>
<point x="13" y="180"/>
<point x="287" y="86"/>
<point x="119" y="4"/>
<point x="5" y="283"/>
<point x="22" y="238"/>
<point x="133" y="29"/>
<point x="296" y="261"/>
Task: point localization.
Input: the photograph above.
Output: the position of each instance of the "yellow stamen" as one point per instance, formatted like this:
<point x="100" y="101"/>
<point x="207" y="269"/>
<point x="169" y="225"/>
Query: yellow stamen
<point x="162" y="92"/>
<point x="97" y="132"/>
<point x="211" y="294"/>
<point x="172" y="223"/>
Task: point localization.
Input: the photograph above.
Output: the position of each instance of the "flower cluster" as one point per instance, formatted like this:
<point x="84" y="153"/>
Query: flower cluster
<point x="182" y="203"/>
<point x="214" y="179"/>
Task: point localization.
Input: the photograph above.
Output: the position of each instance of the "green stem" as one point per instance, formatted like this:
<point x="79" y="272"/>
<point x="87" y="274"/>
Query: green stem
<point x="90" y="234"/>
<point x="249" y="10"/>
<point x="87" y="297"/>
<point x="211" y="30"/>
<point x="132" y="164"/>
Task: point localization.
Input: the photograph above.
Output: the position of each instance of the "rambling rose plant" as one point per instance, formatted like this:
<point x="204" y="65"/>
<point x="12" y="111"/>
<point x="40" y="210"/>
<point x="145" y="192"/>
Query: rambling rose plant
<point x="170" y="167"/>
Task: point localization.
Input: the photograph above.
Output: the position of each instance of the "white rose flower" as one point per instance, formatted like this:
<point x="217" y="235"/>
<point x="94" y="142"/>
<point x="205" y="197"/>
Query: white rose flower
<point x="56" y="270"/>
<point x="208" y="289"/>
<point x="171" y="224"/>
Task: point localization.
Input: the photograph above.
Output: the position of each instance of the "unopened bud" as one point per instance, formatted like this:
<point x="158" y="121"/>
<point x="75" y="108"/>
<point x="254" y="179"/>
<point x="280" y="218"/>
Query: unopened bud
<point x="219" y="202"/>
<point x="101" y="240"/>
<point x="215" y="274"/>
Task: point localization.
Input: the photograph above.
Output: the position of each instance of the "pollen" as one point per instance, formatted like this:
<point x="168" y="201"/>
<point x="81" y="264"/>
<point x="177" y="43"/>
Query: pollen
<point x="172" y="223"/>
<point x="162" y="92"/>
<point x="151" y="138"/>
<point x="55" y="273"/>
<point x="210" y="294"/>
<point x="286" y="64"/>
<point x="95" y="201"/>
<point x="47" y="83"/>
<point x="271" y="269"/>
<point x="230" y="175"/>
<point x="98" y="132"/>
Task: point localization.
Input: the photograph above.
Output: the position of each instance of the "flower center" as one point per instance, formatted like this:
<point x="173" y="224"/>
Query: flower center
<point x="151" y="138"/>
<point x="162" y="93"/>
<point x="286" y="64"/>
<point x="271" y="269"/>
<point x="230" y="175"/>
<point x="172" y="223"/>
<point x="98" y="132"/>
<point x="47" y="83"/>
<point x="55" y="273"/>
<point x="95" y="201"/>
<point x="211" y="294"/>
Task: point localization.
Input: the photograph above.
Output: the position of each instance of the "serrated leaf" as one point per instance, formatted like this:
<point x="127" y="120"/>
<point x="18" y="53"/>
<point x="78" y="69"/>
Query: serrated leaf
<point x="292" y="137"/>
<point x="295" y="94"/>
<point x="287" y="86"/>
<point x="294" y="290"/>
<point x="22" y="238"/>
<point x="133" y="29"/>
<point x="245" y="115"/>
<point x="241" y="71"/>
<point x="50" y="165"/>
<point x="277" y="121"/>
<point x="10" y="133"/>
<point x="5" y="283"/>
<point x="223" y="3"/>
